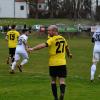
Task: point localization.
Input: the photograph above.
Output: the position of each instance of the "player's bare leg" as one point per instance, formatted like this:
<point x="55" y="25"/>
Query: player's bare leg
<point x="8" y="60"/>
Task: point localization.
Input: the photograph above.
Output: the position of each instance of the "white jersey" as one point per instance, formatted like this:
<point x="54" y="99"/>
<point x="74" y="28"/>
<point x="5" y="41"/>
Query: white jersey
<point x="96" y="37"/>
<point x="96" y="50"/>
<point x="21" y="40"/>
<point x="20" y="49"/>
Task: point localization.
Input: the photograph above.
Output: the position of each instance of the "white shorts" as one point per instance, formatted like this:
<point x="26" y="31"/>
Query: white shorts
<point x="96" y="56"/>
<point x="23" y="54"/>
<point x="96" y="53"/>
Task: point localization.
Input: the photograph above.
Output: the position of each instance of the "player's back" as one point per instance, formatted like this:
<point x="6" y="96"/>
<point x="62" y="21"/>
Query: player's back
<point x="12" y="38"/>
<point x="57" y="50"/>
<point x="96" y="37"/>
<point x="21" y="42"/>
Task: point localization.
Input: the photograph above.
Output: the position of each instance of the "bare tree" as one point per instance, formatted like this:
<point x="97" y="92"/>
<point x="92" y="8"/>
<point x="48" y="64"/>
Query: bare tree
<point x="34" y="6"/>
<point x="81" y="8"/>
<point x="66" y="8"/>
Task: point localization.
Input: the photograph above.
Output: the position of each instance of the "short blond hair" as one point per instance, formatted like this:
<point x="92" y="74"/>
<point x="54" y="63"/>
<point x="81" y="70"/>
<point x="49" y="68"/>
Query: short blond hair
<point x="53" y="27"/>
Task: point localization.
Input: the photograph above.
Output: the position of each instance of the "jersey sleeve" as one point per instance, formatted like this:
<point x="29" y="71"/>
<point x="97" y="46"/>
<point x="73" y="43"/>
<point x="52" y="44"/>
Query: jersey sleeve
<point x="66" y="44"/>
<point x="49" y="41"/>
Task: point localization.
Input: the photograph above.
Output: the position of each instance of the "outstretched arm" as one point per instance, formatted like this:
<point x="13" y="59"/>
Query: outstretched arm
<point x="38" y="47"/>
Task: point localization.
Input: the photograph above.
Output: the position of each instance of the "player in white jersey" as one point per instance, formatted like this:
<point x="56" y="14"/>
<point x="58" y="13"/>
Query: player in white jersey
<point x="96" y="51"/>
<point x="21" y="50"/>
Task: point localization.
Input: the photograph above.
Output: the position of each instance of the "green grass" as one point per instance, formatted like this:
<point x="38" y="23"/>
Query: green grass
<point x="44" y="21"/>
<point x="34" y="82"/>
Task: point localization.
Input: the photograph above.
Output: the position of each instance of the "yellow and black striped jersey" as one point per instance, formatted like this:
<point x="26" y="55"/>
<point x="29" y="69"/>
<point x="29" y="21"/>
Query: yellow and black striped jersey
<point x="12" y="37"/>
<point x="57" y="50"/>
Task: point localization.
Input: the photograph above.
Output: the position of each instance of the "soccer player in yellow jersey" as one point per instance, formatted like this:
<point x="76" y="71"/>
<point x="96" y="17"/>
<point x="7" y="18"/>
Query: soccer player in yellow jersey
<point x="58" y="48"/>
<point x="12" y="39"/>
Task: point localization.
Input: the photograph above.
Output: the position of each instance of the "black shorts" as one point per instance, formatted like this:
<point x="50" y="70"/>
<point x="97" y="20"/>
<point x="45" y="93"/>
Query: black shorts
<point x="12" y="51"/>
<point x="58" y="71"/>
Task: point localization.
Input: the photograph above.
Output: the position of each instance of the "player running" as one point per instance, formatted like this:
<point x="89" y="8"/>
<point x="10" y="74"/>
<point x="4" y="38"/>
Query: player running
<point x="21" y="50"/>
<point x="12" y="39"/>
<point x="96" y="51"/>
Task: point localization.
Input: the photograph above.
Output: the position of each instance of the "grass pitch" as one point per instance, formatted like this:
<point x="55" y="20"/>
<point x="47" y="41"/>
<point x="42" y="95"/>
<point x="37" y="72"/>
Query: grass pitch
<point x="34" y="82"/>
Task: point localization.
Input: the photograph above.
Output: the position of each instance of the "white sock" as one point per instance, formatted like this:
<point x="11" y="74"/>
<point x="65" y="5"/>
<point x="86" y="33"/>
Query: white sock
<point x="24" y="62"/>
<point x="13" y="65"/>
<point x="93" y="69"/>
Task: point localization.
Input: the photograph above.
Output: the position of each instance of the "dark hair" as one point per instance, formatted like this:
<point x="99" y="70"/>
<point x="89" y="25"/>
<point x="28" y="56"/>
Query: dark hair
<point x="13" y="26"/>
<point x="24" y="30"/>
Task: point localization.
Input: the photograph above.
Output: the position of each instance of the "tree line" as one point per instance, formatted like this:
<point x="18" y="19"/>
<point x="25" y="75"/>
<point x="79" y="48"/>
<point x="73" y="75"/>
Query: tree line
<point x="74" y="9"/>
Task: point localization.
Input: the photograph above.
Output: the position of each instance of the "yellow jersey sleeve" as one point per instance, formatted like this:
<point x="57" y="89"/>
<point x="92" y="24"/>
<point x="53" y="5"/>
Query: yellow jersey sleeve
<point x="66" y="44"/>
<point x="49" y="41"/>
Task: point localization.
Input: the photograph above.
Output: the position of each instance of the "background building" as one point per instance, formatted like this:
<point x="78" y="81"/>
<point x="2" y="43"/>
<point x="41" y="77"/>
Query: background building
<point x="14" y="9"/>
